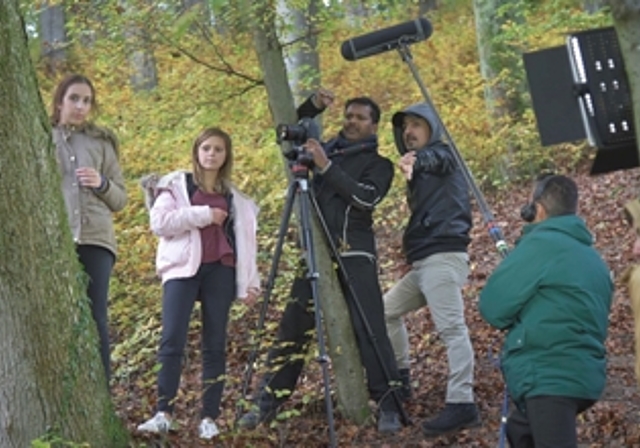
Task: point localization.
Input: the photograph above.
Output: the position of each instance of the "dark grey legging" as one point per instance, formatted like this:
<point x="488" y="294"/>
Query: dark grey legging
<point x="98" y="264"/>
<point x="293" y="336"/>
<point x="215" y="285"/>
<point x="550" y="422"/>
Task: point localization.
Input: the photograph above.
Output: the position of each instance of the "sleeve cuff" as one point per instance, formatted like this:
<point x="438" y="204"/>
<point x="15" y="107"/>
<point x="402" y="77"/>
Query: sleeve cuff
<point x="326" y="167"/>
<point x="104" y="185"/>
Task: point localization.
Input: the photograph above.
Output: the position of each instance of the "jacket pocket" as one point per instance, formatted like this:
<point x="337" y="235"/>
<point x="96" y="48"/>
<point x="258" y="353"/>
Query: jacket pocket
<point x="172" y="252"/>
<point x="426" y="220"/>
<point x="517" y="366"/>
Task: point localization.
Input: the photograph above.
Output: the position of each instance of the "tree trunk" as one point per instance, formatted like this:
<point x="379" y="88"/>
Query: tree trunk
<point x="626" y="18"/>
<point x="504" y="95"/>
<point x="355" y="12"/>
<point x="345" y="359"/>
<point x="53" y="37"/>
<point x="51" y="377"/>
<point x="424" y="6"/>
<point x="593" y="6"/>
<point x="301" y="55"/>
<point x="186" y="5"/>
<point x="142" y="63"/>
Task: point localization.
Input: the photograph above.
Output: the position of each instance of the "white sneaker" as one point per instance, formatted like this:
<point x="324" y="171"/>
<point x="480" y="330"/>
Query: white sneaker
<point x="208" y="429"/>
<point x="158" y="423"/>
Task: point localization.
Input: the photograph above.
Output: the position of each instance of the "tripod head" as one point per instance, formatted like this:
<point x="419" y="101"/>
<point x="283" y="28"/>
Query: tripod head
<point x="300" y="169"/>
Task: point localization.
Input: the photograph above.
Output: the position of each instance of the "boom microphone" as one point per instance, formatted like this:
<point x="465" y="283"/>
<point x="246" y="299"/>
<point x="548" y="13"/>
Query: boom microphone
<point x="386" y="39"/>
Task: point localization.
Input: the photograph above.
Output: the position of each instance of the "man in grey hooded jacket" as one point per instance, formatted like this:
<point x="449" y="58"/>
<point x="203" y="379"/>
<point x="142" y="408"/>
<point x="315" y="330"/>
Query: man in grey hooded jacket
<point x="435" y="244"/>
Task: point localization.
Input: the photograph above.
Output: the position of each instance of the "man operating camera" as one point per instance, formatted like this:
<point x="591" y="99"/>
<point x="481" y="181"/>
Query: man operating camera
<point x="350" y="178"/>
<point x="552" y="294"/>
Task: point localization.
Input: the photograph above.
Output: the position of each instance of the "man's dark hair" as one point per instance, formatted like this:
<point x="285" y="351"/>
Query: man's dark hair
<point x="365" y="101"/>
<point x="557" y="194"/>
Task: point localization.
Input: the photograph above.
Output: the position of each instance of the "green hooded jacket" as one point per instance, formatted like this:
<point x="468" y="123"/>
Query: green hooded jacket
<point x="552" y="294"/>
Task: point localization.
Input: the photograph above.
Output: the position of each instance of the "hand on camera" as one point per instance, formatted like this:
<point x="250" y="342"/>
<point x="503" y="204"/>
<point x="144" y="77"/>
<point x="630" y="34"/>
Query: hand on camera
<point x="218" y="216"/>
<point x="406" y="163"/>
<point x="323" y="98"/>
<point x="313" y="147"/>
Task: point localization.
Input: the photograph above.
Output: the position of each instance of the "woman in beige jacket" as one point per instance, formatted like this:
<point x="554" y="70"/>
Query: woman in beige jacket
<point x="93" y="188"/>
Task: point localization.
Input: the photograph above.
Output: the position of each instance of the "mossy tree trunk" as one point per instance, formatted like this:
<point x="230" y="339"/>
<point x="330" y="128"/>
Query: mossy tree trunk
<point x="51" y="376"/>
<point x="345" y="359"/>
<point x="626" y="17"/>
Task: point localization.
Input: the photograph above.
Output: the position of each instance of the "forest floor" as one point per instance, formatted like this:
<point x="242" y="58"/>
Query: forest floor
<point x="613" y="422"/>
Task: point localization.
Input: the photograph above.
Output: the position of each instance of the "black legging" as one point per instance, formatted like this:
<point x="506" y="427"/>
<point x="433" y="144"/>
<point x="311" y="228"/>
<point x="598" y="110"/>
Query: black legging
<point x="293" y="338"/>
<point x="549" y="422"/>
<point x="98" y="263"/>
<point x="215" y="286"/>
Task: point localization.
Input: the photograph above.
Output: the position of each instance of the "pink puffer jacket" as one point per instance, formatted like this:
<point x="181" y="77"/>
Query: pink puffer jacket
<point x="177" y="223"/>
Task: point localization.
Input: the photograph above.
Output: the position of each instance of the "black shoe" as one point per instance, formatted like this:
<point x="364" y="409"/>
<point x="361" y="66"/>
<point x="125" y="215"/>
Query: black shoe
<point x="453" y="417"/>
<point x="250" y="420"/>
<point x="405" y="389"/>
<point x="389" y="422"/>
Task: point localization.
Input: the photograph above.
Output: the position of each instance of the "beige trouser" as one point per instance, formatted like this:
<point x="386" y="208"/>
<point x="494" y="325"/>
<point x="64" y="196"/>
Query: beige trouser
<point x="435" y="281"/>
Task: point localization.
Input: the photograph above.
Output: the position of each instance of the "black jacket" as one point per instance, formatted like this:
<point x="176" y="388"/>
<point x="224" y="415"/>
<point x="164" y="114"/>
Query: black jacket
<point x="350" y="188"/>
<point x="438" y="195"/>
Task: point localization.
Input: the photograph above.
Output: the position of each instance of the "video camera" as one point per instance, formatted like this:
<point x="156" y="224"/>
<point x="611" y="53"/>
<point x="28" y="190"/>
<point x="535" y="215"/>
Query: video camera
<point x="297" y="134"/>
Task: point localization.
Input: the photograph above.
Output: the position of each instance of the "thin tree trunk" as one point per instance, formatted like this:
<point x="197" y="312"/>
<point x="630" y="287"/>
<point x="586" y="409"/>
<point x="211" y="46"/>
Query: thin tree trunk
<point x="53" y="37"/>
<point x="593" y="6"/>
<point x="301" y="56"/>
<point x="343" y="350"/>
<point x="142" y="63"/>
<point x="424" y="6"/>
<point x="503" y="95"/>
<point x="51" y="377"/>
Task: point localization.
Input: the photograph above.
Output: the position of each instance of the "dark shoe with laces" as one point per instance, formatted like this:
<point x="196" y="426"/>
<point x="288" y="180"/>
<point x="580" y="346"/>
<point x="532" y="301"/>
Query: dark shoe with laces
<point x="454" y="417"/>
<point x="255" y="417"/>
<point x="389" y="422"/>
<point x="250" y="420"/>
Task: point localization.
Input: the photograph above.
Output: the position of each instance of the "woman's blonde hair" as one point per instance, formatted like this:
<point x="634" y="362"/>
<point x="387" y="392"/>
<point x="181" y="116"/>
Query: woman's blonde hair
<point x="223" y="180"/>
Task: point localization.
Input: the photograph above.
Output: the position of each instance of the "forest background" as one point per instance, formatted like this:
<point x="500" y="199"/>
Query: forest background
<point x="164" y="71"/>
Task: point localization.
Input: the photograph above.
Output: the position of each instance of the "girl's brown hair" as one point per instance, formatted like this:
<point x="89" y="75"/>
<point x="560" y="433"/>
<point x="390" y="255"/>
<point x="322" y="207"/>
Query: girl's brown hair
<point x="61" y="91"/>
<point x="224" y="174"/>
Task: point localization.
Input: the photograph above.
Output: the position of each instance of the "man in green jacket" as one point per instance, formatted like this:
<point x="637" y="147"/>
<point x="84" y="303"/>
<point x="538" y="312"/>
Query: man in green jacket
<point x="552" y="294"/>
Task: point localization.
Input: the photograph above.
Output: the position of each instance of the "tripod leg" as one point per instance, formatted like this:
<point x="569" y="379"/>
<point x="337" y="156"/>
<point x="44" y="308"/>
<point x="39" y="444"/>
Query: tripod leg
<point x="284" y="225"/>
<point x="307" y="244"/>
<point x="357" y="305"/>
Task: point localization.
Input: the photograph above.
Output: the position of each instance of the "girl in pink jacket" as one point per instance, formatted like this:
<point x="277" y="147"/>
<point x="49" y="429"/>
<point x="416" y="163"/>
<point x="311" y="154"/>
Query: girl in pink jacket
<point x="207" y="252"/>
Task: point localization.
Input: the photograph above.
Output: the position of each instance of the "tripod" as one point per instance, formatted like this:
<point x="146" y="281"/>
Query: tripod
<point x="307" y="203"/>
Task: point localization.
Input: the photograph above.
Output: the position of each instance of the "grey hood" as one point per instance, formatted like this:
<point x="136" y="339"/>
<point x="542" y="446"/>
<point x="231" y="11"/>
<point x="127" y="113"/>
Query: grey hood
<point x="422" y="110"/>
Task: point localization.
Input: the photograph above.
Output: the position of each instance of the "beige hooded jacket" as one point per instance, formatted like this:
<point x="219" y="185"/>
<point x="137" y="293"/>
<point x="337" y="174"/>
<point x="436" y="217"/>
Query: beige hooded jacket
<point x="90" y="210"/>
<point x="632" y="277"/>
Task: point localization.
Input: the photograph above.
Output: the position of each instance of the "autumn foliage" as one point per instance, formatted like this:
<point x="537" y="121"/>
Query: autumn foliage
<point x="157" y="128"/>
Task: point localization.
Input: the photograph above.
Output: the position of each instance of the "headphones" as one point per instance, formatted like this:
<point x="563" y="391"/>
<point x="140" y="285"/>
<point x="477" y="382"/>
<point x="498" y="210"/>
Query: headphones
<point x="528" y="211"/>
